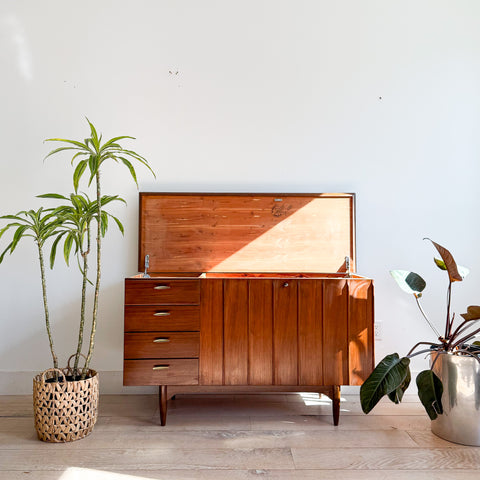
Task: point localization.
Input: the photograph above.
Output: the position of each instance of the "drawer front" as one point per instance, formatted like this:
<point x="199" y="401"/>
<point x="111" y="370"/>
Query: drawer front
<point x="163" y="371"/>
<point x="162" y="345"/>
<point x="158" y="291"/>
<point x="172" y="318"/>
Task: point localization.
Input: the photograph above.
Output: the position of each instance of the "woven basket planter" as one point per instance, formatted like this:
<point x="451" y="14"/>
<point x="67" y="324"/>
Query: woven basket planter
<point x="64" y="410"/>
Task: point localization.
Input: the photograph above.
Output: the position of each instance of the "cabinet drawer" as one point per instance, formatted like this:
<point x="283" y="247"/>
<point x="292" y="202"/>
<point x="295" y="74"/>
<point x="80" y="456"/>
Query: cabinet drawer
<point x="162" y="345"/>
<point x="149" y="318"/>
<point x="163" y="371"/>
<point x="158" y="291"/>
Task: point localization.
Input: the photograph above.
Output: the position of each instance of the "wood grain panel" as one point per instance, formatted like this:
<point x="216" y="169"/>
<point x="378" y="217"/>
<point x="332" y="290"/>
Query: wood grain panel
<point x="235" y="318"/>
<point x="150" y="318"/>
<point x="360" y="317"/>
<point x="148" y="291"/>
<point x="335" y="332"/>
<point x="211" y="332"/>
<point x="172" y="345"/>
<point x="246" y="233"/>
<point x="310" y="332"/>
<point x="260" y="332"/>
<point x="179" y="372"/>
<point x="285" y="342"/>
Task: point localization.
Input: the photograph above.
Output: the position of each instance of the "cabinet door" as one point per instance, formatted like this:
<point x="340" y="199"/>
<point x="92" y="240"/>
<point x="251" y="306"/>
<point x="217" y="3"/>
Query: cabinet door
<point x="285" y="343"/>
<point x="310" y="332"/>
<point x="260" y="332"/>
<point x="235" y="332"/>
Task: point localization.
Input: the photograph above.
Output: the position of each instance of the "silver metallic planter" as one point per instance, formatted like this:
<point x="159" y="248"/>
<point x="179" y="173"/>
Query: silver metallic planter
<point x="460" y="422"/>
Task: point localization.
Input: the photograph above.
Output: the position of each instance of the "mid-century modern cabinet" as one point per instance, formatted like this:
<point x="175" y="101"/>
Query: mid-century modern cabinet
<point x="248" y="292"/>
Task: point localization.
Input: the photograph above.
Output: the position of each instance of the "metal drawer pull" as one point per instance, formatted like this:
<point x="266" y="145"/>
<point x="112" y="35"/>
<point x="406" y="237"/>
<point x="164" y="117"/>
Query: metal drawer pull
<point x="161" y="340"/>
<point x="161" y="367"/>
<point x="161" y="314"/>
<point x="162" y="287"/>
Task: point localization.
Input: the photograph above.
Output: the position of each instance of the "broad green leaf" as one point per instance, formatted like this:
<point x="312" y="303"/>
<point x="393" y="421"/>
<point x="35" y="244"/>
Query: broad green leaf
<point x="387" y="376"/>
<point x="476" y="343"/>
<point x="397" y="395"/>
<point x="430" y="391"/>
<point x="473" y="313"/>
<point x="449" y="262"/>
<point x="409" y="282"/>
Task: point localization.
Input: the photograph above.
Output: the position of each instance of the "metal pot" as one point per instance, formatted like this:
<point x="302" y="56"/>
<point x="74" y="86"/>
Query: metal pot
<point x="460" y="421"/>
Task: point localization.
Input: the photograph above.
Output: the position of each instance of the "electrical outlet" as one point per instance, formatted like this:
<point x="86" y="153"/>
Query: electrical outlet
<point x="378" y="330"/>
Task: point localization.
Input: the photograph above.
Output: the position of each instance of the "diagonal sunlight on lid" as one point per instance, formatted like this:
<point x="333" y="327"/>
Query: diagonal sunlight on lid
<point x="315" y="238"/>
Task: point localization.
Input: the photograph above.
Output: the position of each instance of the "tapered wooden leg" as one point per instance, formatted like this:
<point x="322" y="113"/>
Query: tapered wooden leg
<point x="162" y="402"/>
<point x="336" y="403"/>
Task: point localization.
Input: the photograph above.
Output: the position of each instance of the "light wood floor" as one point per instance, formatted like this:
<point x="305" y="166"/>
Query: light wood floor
<point x="236" y="437"/>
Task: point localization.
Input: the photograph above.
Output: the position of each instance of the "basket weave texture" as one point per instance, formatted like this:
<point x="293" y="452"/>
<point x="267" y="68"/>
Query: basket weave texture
<point x="64" y="410"/>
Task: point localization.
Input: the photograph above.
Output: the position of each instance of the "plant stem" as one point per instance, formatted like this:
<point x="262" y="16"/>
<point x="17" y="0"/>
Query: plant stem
<point x="45" y="304"/>
<point x="420" y="343"/>
<point x="426" y="318"/>
<point x="97" y="283"/>
<point x="82" y="309"/>
<point x="447" y="323"/>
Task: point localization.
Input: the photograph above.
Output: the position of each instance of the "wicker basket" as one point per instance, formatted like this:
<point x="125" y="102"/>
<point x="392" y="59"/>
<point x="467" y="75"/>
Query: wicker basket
<point x="64" y="410"/>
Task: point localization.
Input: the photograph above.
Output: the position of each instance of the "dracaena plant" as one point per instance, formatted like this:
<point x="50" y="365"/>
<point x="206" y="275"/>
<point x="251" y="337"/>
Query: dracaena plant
<point x="76" y="218"/>
<point x="392" y="375"/>
<point x="39" y="225"/>
<point x="72" y="224"/>
<point x="89" y="157"/>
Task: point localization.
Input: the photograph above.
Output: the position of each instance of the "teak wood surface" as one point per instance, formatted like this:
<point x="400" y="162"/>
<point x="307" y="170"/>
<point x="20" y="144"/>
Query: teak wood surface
<point x="246" y="232"/>
<point x="254" y="292"/>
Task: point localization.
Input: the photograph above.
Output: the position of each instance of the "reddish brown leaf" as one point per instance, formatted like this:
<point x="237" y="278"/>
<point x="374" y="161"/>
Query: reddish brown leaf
<point x="447" y="257"/>
<point x="473" y="313"/>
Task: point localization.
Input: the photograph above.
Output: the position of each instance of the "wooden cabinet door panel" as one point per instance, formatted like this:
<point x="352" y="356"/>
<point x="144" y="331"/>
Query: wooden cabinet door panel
<point x="335" y="332"/>
<point x="235" y="334"/>
<point x="310" y="332"/>
<point x="211" y="332"/>
<point x="285" y="342"/>
<point x="260" y="332"/>
<point x="360" y="330"/>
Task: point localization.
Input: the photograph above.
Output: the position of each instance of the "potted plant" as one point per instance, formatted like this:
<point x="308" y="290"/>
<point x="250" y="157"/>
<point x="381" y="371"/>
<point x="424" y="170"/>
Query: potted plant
<point x="450" y="389"/>
<point x="66" y="399"/>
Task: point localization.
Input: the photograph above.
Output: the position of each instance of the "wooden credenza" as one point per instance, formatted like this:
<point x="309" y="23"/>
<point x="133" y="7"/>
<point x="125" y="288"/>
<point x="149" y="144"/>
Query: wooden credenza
<point x="245" y="331"/>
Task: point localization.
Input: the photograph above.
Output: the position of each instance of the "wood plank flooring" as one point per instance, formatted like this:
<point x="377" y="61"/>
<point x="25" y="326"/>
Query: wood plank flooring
<point x="236" y="437"/>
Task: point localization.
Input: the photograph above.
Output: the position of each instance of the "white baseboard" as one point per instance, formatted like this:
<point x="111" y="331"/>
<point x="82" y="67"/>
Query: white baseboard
<point x="20" y="383"/>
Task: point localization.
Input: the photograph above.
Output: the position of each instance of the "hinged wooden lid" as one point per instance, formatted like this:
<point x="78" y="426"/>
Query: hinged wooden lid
<point x="205" y="232"/>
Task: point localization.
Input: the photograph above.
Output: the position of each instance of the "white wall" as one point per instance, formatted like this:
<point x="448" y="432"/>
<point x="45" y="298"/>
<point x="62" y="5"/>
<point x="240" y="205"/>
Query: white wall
<point x="381" y="98"/>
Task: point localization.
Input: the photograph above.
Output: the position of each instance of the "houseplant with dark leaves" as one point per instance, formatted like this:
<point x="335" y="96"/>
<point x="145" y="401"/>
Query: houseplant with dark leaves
<point x="392" y="375"/>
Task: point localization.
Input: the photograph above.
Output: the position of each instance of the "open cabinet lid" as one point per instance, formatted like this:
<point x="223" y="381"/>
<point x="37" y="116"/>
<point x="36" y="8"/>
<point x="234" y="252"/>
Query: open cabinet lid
<point x="223" y="232"/>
